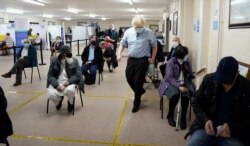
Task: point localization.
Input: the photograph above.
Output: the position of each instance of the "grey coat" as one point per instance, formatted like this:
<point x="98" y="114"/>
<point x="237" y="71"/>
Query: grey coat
<point x="73" y="71"/>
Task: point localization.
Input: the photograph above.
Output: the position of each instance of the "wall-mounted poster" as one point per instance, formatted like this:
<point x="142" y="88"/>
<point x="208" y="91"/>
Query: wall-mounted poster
<point x="244" y="69"/>
<point x="239" y="13"/>
<point x="175" y="23"/>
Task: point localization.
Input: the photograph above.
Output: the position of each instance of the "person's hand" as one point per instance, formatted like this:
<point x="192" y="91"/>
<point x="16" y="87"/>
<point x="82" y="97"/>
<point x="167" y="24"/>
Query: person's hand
<point x="119" y="58"/>
<point x="66" y="84"/>
<point x="224" y="131"/>
<point x="88" y="62"/>
<point x="183" y="89"/>
<point x="59" y="88"/>
<point x="151" y="60"/>
<point x="209" y="128"/>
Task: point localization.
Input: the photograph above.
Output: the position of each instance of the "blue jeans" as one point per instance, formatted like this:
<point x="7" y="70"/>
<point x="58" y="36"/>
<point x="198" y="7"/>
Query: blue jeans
<point x="92" y="70"/>
<point x="201" y="138"/>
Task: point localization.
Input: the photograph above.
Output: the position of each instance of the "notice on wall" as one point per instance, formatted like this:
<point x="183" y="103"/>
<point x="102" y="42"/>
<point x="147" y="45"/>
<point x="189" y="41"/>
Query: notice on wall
<point x="215" y="25"/>
<point x="198" y="26"/>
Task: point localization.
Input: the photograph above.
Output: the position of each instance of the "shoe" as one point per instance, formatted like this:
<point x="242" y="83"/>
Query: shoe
<point x="171" y="121"/>
<point x="17" y="84"/>
<point x="110" y="70"/>
<point x="183" y="124"/>
<point x="143" y="91"/>
<point x="7" y="75"/>
<point x="135" y="109"/>
<point x="59" y="106"/>
<point x="70" y="107"/>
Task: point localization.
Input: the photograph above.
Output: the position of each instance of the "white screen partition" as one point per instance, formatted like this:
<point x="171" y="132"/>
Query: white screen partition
<point x="4" y="28"/>
<point x="41" y="29"/>
<point x="79" y="33"/>
<point x="55" y="30"/>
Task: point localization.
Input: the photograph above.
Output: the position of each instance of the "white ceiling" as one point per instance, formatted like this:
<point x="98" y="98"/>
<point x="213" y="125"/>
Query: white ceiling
<point x="110" y="9"/>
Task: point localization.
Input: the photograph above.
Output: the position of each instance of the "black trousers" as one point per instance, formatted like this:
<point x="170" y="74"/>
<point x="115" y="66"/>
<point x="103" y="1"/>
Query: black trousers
<point x="135" y="73"/>
<point x="18" y="68"/>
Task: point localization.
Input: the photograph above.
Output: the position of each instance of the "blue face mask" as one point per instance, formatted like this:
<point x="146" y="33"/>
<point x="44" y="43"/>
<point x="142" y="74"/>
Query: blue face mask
<point x="139" y="30"/>
<point x="26" y="45"/>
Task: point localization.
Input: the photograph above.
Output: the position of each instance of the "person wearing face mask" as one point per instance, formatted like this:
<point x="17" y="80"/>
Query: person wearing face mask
<point x="176" y="43"/>
<point x="114" y="36"/>
<point x="92" y="59"/>
<point x="178" y="80"/>
<point x="64" y="73"/>
<point x="56" y="45"/>
<point x="140" y="41"/>
<point x="28" y="59"/>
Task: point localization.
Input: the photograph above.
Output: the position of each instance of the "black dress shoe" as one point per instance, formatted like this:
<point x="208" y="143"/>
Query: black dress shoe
<point x="70" y="107"/>
<point x="171" y="121"/>
<point x="183" y="123"/>
<point x="59" y="106"/>
<point x="7" y="75"/>
<point x="17" y="84"/>
<point x="135" y="109"/>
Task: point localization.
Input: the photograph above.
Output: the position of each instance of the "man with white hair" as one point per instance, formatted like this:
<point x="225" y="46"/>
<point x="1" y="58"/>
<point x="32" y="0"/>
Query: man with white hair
<point x="28" y="59"/>
<point x="140" y="41"/>
<point x="114" y="36"/>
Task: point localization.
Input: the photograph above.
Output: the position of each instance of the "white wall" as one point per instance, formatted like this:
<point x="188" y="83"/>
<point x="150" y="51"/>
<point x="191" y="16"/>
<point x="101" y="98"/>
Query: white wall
<point x="106" y="24"/>
<point x="235" y="42"/>
<point x="10" y="17"/>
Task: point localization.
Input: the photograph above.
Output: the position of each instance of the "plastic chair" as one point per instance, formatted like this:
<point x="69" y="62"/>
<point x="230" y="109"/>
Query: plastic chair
<point x="78" y="90"/>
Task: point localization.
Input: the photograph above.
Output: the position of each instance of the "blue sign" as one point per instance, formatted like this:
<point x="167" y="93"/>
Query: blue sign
<point x="215" y="25"/>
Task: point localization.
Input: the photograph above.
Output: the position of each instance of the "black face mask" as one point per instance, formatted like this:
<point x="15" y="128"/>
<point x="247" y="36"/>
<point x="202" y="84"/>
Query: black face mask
<point x="69" y="55"/>
<point x="93" y="43"/>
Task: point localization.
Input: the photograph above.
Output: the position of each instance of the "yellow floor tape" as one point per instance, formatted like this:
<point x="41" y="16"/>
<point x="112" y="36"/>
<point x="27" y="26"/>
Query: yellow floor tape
<point x="23" y="104"/>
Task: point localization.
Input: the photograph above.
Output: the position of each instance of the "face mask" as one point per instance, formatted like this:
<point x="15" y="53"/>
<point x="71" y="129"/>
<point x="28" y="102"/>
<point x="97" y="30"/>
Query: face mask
<point x="58" y="41"/>
<point x="139" y="30"/>
<point x="93" y="43"/>
<point x="175" y="44"/>
<point x="180" y="61"/>
<point x="26" y="46"/>
<point x="185" y="58"/>
<point x="69" y="60"/>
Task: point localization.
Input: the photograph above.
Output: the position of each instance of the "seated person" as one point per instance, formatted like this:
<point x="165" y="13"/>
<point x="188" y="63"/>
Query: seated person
<point x="64" y="73"/>
<point x="5" y="122"/>
<point x="222" y="108"/>
<point x="56" y="45"/>
<point x="6" y="43"/>
<point x="178" y="80"/>
<point x="29" y="59"/>
<point x="109" y="53"/>
<point x="176" y="43"/>
<point x="92" y="59"/>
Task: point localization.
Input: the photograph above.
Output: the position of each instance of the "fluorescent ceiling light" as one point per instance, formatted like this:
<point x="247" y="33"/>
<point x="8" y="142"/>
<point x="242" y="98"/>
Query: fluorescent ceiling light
<point x="72" y="10"/>
<point x="92" y="15"/>
<point x="235" y="2"/>
<point x="34" y="2"/>
<point x="9" y="10"/>
<point x="136" y="11"/>
<point x="47" y="15"/>
<point x="104" y="18"/>
<point x="67" y="18"/>
<point x="42" y="1"/>
<point x="130" y="2"/>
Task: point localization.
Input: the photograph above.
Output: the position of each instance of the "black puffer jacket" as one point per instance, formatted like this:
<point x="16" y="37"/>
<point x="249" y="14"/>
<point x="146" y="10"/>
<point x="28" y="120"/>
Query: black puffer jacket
<point x="205" y="101"/>
<point x="5" y="122"/>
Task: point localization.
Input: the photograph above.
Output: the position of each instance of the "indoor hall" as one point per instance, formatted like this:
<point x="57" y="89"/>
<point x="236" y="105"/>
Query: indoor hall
<point x="210" y="29"/>
<point x="104" y="119"/>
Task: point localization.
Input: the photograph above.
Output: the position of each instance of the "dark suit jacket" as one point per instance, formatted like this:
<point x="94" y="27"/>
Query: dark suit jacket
<point x="5" y="122"/>
<point x="98" y="57"/>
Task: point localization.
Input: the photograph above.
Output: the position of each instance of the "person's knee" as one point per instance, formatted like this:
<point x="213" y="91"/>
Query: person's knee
<point x="200" y="138"/>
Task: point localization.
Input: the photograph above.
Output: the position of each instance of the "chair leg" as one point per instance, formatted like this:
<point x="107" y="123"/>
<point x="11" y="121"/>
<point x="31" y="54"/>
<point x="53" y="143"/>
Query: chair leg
<point x="102" y="76"/>
<point x="190" y="110"/>
<point x="99" y="78"/>
<point x="81" y="97"/>
<point x="47" y="106"/>
<point x="178" y="114"/>
<point x="73" y="113"/>
<point x="24" y="74"/>
<point x="161" y="107"/>
<point x="7" y="143"/>
<point x="38" y="72"/>
<point x="31" y="73"/>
